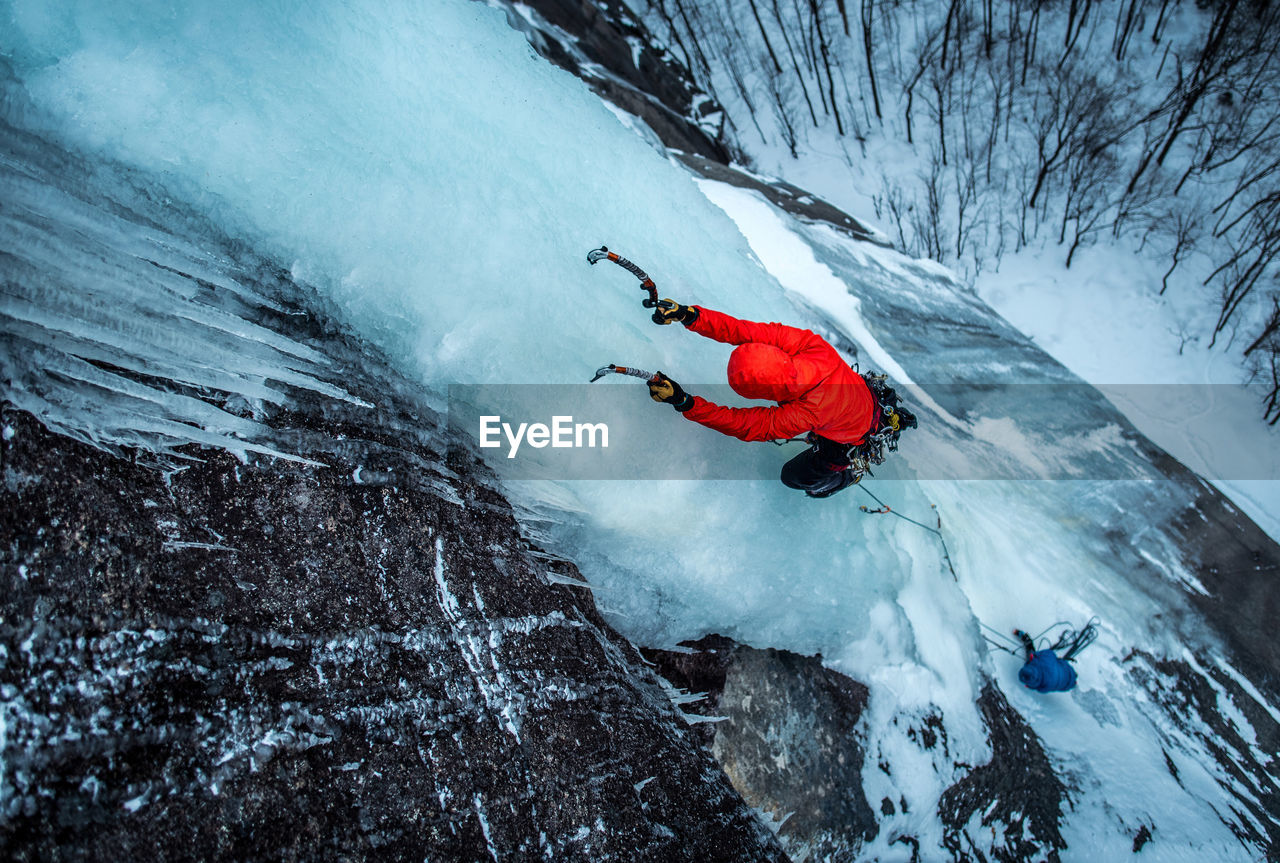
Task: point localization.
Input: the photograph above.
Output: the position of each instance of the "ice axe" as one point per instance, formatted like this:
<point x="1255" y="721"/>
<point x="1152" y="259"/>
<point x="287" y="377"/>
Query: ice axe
<point x="595" y="256"/>
<point x="651" y="377"/>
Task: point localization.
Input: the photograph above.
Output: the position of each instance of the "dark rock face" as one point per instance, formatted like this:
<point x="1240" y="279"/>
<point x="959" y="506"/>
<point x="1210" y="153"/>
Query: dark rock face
<point x="1239" y="566"/>
<point x="1192" y="698"/>
<point x="269" y="660"/>
<point x="615" y="54"/>
<point x="1019" y="796"/>
<point x="783" y="727"/>
<point x="345" y="652"/>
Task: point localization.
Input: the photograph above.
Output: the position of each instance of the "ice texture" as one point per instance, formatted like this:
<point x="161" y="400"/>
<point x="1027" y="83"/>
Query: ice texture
<point x="439" y="185"/>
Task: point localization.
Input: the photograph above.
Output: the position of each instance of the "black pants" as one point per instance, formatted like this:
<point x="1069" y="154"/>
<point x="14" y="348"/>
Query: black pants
<point x="821" y="470"/>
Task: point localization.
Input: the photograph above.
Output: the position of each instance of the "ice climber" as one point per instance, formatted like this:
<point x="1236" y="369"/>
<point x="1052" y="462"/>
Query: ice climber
<point x="817" y="395"/>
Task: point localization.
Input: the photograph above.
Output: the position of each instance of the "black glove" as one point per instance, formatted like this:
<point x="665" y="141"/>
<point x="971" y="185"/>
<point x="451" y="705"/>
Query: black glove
<point x="906" y="419"/>
<point x="663" y="389"/>
<point x="669" y="311"/>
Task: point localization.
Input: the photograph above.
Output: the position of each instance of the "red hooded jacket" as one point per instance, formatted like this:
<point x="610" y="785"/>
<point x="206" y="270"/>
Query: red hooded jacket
<point x="814" y="387"/>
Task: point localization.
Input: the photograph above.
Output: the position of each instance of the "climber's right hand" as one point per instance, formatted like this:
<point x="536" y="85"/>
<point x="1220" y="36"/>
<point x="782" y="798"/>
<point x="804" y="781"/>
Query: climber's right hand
<point x="663" y="389"/>
<point x="669" y="311"/>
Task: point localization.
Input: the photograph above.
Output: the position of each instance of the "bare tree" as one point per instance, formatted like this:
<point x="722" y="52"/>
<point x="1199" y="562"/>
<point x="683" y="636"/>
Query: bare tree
<point x="1087" y="203"/>
<point x="755" y="13"/>
<point x="927" y="220"/>
<point x="1067" y="120"/>
<point x="1184" y="225"/>
<point x="1127" y="15"/>
<point x="777" y="14"/>
<point x="868" y="17"/>
<point x="826" y="62"/>
<point x="1023" y="139"/>
<point x="1267" y="346"/>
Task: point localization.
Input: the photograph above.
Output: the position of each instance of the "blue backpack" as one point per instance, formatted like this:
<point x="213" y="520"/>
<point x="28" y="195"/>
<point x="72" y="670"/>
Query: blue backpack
<point x="1045" y="672"/>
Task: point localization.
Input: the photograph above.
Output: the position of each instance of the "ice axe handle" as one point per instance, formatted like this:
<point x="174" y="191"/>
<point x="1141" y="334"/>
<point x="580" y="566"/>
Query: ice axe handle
<point x="623" y="370"/>
<point x="596" y="255"/>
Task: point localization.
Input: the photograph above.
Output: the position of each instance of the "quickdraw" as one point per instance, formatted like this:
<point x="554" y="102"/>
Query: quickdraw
<point x="936" y="531"/>
<point x="891" y="420"/>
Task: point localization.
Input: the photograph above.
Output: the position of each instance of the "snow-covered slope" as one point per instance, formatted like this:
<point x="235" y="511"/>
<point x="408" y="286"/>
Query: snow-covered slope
<point x="439" y="183"/>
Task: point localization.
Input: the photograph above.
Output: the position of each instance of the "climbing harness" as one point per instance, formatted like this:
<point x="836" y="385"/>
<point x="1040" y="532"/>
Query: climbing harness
<point x="785" y="441"/>
<point x="885" y="508"/>
<point x="888" y="422"/>
<point x="595" y="256"/>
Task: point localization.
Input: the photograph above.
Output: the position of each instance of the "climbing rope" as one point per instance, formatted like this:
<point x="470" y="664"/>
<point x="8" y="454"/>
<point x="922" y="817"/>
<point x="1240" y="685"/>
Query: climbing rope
<point x="1038" y="638"/>
<point x="885" y="508"/>
<point x="1073" y="642"/>
<point x="1069" y="640"/>
<point x="1013" y="648"/>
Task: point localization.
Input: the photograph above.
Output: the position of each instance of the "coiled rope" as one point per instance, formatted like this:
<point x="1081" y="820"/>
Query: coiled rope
<point x="1069" y="640"/>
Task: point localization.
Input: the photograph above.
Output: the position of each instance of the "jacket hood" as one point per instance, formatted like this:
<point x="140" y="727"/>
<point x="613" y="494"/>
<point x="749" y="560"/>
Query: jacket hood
<point x="760" y="371"/>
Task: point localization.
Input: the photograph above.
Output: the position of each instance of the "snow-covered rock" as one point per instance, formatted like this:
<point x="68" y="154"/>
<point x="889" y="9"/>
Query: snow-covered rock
<point x="322" y="636"/>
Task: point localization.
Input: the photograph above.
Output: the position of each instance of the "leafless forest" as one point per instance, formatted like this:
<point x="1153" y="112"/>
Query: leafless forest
<point x="1067" y="122"/>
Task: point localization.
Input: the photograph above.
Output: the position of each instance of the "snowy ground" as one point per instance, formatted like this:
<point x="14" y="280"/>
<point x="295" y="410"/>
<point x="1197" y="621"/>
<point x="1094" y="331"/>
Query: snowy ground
<point x="1104" y="318"/>
<point x="440" y="185"/>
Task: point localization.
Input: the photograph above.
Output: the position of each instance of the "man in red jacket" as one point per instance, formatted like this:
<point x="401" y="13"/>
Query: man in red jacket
<point x="816" y="391"/>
